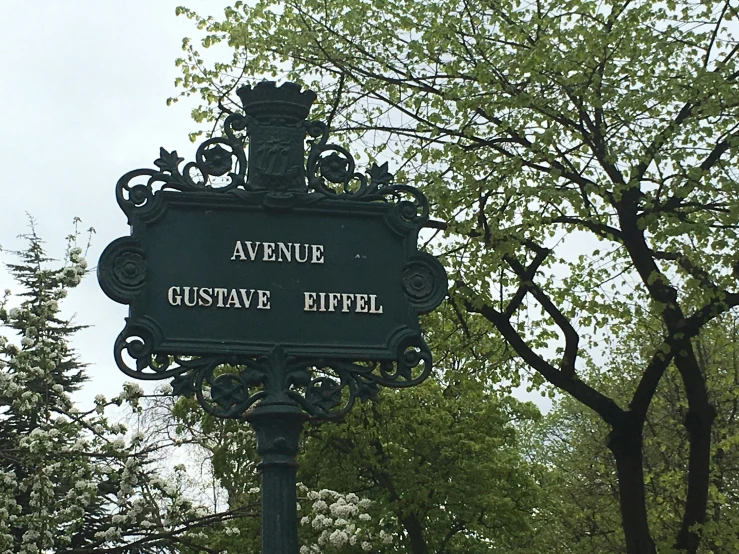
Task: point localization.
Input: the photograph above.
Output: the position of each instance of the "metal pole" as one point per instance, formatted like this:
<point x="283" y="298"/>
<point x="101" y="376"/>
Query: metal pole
<point x="278" y="428"/>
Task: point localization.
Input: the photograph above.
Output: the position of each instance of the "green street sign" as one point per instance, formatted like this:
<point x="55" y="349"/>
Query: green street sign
<point x="270" y="285"/>
<point x="264" y="273"/>
<point x="209" y="273"/>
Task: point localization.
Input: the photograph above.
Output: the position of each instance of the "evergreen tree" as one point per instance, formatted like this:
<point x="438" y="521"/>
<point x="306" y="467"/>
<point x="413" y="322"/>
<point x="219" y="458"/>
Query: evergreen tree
<point x="70" y="482"/>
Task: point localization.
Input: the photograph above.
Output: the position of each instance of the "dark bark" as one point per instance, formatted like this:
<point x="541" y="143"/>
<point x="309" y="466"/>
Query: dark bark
<point x="625" y="441"/>
<point x="700" y="413"/>
<point x="415" y="534"/>
<point x="698" y="423"/>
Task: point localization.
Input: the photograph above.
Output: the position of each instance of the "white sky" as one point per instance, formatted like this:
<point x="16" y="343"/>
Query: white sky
<point x="82" y="101"/>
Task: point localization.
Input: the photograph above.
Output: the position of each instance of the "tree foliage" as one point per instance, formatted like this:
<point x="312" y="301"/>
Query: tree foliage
<point x="441" y="463"/>
<point x="431" y="469"/>
<point x="75" y="482"/>
<point x="582" y="155"/>
<point x="582" y="482"/>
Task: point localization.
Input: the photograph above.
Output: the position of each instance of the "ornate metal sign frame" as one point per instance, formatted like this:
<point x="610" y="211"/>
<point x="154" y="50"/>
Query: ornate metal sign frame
<point x="275" y="177"/>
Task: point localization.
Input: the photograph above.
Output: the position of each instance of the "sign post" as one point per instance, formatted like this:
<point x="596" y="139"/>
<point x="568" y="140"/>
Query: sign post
<point x="272" y="285"/>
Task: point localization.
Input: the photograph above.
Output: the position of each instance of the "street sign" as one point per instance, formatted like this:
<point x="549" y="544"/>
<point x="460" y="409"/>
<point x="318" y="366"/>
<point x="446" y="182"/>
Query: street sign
<point x="210" y="273"/>
<point x="270" y="285"/>
<point x="263" y="272"/>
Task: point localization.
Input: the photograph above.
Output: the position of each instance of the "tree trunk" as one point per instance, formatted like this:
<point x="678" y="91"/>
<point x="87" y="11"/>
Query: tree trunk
<point x="625" y="441"/>
<point x="698" y="424"/>
<point x="415" y="534"/>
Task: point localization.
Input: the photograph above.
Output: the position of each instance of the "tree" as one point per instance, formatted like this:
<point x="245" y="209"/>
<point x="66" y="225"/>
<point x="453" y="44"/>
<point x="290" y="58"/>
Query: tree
<point x="435" y="468"/>
<point x="70" y="482"/>
<point x="581" y="154"/>
<point x="440" y="462"/>
<point x="583" y="491"/>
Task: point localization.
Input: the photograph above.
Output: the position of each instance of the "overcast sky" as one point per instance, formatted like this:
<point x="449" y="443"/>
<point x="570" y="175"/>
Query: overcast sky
<point x="83" y="96"/>
<point x="82" y="101"/>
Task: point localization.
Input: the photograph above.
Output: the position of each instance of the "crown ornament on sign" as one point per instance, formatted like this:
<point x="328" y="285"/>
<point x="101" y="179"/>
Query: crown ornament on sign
<point x="276" y="126"/>
<point x="266" y="101"/>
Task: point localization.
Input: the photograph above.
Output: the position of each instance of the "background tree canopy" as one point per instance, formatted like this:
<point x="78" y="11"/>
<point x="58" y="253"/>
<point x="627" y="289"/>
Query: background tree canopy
<point x="72" y="481"/>
<point x="440" y="463"/>
<point x="582" y="155"/>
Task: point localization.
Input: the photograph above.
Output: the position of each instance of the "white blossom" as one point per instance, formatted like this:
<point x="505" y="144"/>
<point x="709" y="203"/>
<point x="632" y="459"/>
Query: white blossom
<point x="338" y="538"/>
<point x="131" y="390"/>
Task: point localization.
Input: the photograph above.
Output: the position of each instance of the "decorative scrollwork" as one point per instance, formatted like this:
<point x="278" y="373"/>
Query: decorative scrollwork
<point x="337" y="167"/>
<point x="122" y="269"/>
<point x="134" y="356"/>
<point x="330" y="164"/>
<point x="275" y="129"/>
<point x="424" y="282"/>
<point x="331" y="172"/>
<point x="228" y="386"/>
<point x="220" y="166"/>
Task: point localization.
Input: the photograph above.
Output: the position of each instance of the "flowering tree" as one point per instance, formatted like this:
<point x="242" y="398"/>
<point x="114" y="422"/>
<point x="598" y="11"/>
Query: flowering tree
<point x="71" y="481"/>
<point x="340" y="524"/>
<point x="441" y="463"/>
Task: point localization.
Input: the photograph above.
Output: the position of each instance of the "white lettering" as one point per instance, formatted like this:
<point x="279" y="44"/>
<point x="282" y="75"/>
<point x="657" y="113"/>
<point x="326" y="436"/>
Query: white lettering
<point x="238" y="251"/>
<point x="346" y="301"/>
<point x="186" y="295"/>
<point x="220" y="297"/>
<point x="268" y="249"/>
<point x="333" y="300"/>
<point x="284" y="249"/>
<point x="246" y="296"/>
<point x="206" y="297"/>
<point x="309" y="301"/>
<point x="252" y="252"/>
<point x="373" y="308"/>
<point x="263" y="299"/>
<point x="317" y="250"/>
<point x="221" y="293"/>
<point x="279" y="252"/>
<point x="173" y="295"/>
<point x="297" y="253"/>
<point x="233" y="300"/>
